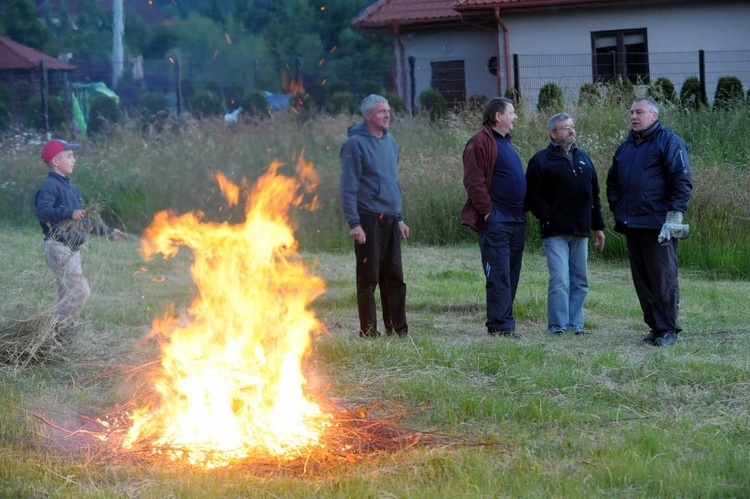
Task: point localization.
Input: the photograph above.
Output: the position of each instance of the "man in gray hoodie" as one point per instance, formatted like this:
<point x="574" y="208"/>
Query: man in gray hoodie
<point x="371" y="201"/>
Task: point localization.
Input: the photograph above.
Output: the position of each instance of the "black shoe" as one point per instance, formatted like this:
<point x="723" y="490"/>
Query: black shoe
<point x="667" y="340"/>
<point x="581" y="332"/>
<point x="400" y="334"/>
<point x="651" y="338"/>
<point x="557" y="333"/>
<point x="507" y="334"/>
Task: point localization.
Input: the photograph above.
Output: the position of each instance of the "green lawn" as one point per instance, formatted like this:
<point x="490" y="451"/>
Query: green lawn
<point x="591" y="416"/>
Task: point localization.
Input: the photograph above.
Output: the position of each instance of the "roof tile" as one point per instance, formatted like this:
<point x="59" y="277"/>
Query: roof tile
<point x="404" y="12"/>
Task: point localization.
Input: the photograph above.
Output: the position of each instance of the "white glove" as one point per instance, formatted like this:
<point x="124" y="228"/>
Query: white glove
<point x="674" y="217"/>
<point x="673" y="228"/>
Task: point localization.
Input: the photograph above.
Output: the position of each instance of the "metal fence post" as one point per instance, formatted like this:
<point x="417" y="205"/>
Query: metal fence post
<point x="44" y="106"/>
<point x="702" y="75"/>
<point x="516" y="75"/>
<point x="412" y="84"/>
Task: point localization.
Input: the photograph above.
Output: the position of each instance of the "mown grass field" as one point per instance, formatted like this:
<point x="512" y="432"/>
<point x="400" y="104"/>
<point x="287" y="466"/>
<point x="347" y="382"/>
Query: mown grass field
<point x="592" y="416"/>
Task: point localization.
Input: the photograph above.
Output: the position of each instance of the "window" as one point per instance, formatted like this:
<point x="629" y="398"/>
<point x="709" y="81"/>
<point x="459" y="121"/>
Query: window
<point x="620" y="53"/>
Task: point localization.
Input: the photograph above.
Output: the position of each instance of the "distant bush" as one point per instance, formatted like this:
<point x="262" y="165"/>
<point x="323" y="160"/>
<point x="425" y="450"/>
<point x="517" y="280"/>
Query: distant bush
<point x="103" y="115"/>
<point x="234" y="92"/>
<point x="662" y="90"/>
<point x="371" y="87"/>
<point x="254" y="103"/>
<point x="4" y="117"/>
<point x="340" y="102"/>
<point x="690" y="93"/>
<point x="620" y="91"/>
<point x="550" y="99"/>
<point x="588" y="95"/>
<point x="187" y="89"/>
<point x="433" y="104"/>
<point x="57" y="118"/>
<point x="206" y="104"/>
<point x="398" y="106"/>
<point x="153" y="102"/>
<point x="729" y="93"/>
<point x="4" y="94"/>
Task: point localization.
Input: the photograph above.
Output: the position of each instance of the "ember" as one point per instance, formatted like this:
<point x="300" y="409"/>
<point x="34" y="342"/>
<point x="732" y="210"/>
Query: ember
<point x="230" y="383"/>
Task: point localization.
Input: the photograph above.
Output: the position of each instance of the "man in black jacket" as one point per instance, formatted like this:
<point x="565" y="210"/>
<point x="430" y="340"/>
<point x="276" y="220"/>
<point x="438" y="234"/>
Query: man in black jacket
<point x="562" y="191"/>
<point x="648" y="187"/>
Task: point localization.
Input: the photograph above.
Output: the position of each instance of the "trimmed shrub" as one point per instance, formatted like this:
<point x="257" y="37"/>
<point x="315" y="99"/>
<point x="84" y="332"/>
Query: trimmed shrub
<point x="103" y="115"/>
<point x="690" y="93"/>
<point x="433" y="103"/>
<point x="620" y="91"/>
<point x="729" y="93"/>
<point x="550" y="99"/>
<point x="512" y="94"/>
<point x="588" y="95"/>
<point x="662" y="90"/>
<point x="206" y="104"/>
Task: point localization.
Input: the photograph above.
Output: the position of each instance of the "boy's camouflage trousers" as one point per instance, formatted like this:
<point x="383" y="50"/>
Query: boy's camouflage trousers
<point x="72" y="287"/>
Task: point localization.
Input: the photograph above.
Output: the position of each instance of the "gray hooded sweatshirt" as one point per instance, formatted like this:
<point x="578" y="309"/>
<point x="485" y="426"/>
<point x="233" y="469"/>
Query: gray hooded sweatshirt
<point x="369" y="175"/>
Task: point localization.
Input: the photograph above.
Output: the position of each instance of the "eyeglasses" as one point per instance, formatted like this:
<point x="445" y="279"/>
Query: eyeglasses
<point x="566" y="128"/>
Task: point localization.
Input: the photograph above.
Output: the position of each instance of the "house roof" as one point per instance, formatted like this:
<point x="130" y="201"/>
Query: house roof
<point x="521" y="5"/>
<point x="390" y="13"/>
<point x="14" y="55"/>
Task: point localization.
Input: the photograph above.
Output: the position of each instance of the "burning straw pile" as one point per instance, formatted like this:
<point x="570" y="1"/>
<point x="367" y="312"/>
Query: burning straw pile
<point x="352" y="436"/>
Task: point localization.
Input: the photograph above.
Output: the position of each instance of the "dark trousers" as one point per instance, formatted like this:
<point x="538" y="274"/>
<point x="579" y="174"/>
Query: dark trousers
<point x="501" y="245"/>
<point x="654" y="270"/>
<point x="379" y="264"/>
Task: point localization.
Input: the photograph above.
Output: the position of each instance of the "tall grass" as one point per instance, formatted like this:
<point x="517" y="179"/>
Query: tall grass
<point x="136" y="172"/>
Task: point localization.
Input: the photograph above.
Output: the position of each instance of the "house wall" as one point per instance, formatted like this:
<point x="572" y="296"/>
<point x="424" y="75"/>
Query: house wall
<point x="473" y="46"/>
<point x="684" y="29"/>
<point x="555" y="46"/>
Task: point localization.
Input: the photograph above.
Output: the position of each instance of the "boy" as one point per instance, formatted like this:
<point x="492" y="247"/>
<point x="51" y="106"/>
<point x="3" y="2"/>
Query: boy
<point x="59" y="208"/>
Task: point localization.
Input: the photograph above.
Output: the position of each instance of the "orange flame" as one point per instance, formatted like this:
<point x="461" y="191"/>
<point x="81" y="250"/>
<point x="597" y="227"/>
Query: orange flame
<point x="230" y="384"/>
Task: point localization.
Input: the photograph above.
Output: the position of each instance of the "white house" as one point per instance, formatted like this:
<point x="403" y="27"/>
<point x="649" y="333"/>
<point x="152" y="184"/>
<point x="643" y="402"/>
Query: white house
<point x="483" y="47"/>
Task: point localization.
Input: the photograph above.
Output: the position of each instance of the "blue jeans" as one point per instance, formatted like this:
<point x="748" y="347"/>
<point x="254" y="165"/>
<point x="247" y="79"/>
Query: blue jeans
<point x="568" y="281"/>
<point x="501" y="245"/>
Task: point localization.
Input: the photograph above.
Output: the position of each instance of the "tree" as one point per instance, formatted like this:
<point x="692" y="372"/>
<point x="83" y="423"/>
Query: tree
<point x="18" y="21"/>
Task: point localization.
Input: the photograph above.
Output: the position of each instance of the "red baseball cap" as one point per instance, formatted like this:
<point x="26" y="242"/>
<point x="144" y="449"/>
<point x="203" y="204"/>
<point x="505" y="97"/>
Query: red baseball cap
<point x="55" y="147"/>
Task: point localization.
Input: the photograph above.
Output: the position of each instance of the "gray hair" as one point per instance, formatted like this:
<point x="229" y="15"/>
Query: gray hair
<point x="557" y="118"/>
<point x="368" y="103"/>
<point x="652" y="105"/>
